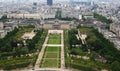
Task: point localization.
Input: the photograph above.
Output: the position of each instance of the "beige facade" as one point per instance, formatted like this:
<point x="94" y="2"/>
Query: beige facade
<point x="1" y="25"/>
<point x="2" y="34"/>
<point x="67" y="26"/>
<point x="56" y="26"/>
<point x="46" y="26"/>
<point x="115" y="28"/>
<point x="34" y="16"/>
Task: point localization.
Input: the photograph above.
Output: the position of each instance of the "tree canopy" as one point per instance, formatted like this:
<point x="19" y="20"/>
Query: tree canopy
<point x="102" y="18"/>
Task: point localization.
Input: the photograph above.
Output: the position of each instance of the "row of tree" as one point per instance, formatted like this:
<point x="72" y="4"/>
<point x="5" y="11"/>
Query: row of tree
<point x="100" y="45"/>
<point x="73" y="41"/>
<point x="31" y="43"/>
<point x="102" y="18"/>
<point x="106" y="49"/>
<point x="3" y="18"/>
<point x="58" y="14"/>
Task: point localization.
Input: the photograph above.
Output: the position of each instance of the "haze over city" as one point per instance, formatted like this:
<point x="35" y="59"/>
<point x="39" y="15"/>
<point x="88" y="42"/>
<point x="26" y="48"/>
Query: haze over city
<point x="57" y="0"/>
<point x="59" y="35"/>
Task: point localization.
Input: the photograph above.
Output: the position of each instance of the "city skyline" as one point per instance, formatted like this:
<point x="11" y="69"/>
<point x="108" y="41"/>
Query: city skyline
<point x="59" y="35"/>
<point x="59" y="0"/>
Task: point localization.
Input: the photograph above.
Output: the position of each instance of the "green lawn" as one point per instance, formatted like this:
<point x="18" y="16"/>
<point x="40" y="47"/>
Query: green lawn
<point x="51" y="58"/>
<point x="54" y="39"/>
<point x="81" y="64"/>
<point x="50" y="63"/>
<point x="51" y="55"/>
<point x="52" y="49"/>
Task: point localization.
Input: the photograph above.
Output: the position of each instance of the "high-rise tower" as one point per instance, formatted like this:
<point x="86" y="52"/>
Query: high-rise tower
<point x="50" y="2"/>
<point x="34" y="5"/>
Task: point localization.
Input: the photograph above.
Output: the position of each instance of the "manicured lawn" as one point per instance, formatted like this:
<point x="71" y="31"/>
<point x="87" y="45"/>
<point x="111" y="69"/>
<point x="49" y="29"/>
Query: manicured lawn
<point x="52" y="49"/>
<point x="51" y="58"/>
<point x="54" y="39"/>
<point x="51" y="55"/>
<point x="50" y="63"/>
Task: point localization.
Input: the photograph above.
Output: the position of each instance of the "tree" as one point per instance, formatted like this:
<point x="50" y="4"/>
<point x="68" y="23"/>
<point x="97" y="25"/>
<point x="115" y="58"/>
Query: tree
<point x="30" y="45"/>
<point x="13" y="43"/>
<point x="7" y="38"/>
<point x="97" y="45"/>
<point x="102" y="18"/>
<point x="4" y="17"/>
<point x="75" y="51"/>
<point x="115" y="66"/>
<point x="6" y="48"/>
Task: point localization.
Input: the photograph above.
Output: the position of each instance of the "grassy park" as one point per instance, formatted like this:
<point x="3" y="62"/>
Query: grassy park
<point x="50" y="63"/>
<point x="52" y="49"/>
<point x="80" y="63"/>
<point x="54" y="39"/>
<point x="51" y="57"/>
<point x="20" y="57"/>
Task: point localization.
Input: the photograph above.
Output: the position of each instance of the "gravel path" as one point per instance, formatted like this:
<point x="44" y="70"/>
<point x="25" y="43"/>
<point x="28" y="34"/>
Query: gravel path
<point x="40" y="56"/>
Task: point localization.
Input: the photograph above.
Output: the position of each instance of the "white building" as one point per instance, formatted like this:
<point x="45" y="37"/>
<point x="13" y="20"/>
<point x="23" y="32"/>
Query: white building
<point x="80" y="17"/>
<point x="47" y="16"/>
<point x="34" y="16"/>
<point x="1" y="15"/>
<point x="115" y="27"/>
<point x="70" y="14"/>
<point x="2" y="33"/>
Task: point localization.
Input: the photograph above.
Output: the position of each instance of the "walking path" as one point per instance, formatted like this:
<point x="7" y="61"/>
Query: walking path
<point x="82" y="37"/>
<point x="62" y="52"/>
<point x="40" y="56"/>
<point x="55" y="69"/>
